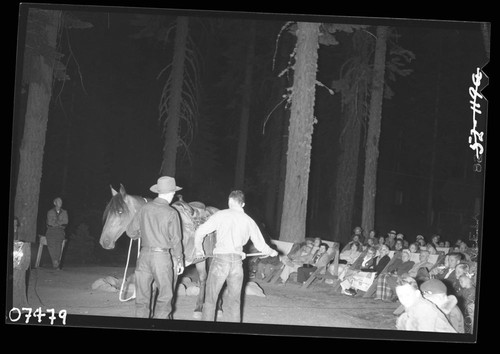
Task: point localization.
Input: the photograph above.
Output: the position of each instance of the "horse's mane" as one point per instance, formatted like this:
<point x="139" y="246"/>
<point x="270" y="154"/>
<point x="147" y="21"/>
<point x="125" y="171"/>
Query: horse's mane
<point x="118" y="205"/>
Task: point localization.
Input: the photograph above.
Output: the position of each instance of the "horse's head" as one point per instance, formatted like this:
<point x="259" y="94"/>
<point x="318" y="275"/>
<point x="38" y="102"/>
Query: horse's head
<point x="117" y="215"/>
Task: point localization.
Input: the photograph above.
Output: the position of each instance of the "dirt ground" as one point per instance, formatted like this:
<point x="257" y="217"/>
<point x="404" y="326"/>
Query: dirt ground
<point x="289" y="305"/>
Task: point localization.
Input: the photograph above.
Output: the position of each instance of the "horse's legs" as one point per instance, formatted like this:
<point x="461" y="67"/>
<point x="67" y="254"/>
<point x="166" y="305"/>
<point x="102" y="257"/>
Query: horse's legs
<point x="202" y="275"/>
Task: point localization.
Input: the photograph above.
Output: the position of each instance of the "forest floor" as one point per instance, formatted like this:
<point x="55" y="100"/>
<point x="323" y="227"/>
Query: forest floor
<point x="71" y="289"/>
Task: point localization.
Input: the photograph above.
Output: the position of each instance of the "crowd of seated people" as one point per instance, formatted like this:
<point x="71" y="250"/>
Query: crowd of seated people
<point x="448" y="283"/>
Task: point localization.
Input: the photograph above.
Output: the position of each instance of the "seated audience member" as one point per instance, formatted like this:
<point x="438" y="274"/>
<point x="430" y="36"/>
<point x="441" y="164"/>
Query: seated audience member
<point x="347" y="258"/>
<point x="458" y="243"/>
<point x="372" y="234"/>
<point x="391" y="239"/>
<point x="323" y="247"/>
<point x="380" y="242"/>
<point x="464" y="249"/>
<point x="420" y="314"/>
<point x="316" y="244"/>
<point x="460" y="269"/>
<point x="326" y="258"/>
<point x="435" y="291"/>
<point x="292" y="263"/>
<point x="414" y="247"/>
<point x="466" y="300"/>
<point x="374" y="265"/>
<point x="440" y="268"/>
<point x="431" y="248"/>
<point x="386" y="282"/>
<point x="447" y="244"/>
<point x="320" y="260"/>
<point x="267" y="265"/>
<point x="435" y="240"/>
<point x="356" y="237"/>
<point x="422" y="243"/>
<point x="358" y="230"/>
<point x="447" y="276"/>
<point x="420" y="271"/>
<point x="398" y="245"/>
<point x="378" y="263"/>
<point x="370" y="242"/>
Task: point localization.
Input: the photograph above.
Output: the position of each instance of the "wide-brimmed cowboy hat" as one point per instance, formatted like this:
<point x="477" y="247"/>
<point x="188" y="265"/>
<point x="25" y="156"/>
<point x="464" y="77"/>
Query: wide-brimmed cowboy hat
<point x="164" y="185"/>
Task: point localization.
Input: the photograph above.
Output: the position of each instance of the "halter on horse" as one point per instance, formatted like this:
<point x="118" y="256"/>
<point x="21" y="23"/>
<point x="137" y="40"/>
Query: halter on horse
<point x="122" y="208"/>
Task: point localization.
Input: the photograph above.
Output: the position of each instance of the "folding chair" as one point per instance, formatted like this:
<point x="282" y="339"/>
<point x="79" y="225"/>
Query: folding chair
<point x="371" y="290"/>
<point x="317" y="274"/>
<point x="43" y="242"/>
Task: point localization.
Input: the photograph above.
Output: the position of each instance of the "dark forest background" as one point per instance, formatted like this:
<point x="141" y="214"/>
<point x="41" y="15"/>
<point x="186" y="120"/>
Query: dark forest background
<point x="104" y="130"/>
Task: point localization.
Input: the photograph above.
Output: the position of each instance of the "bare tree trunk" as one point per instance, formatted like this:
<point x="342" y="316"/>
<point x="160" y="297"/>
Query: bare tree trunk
<point x="32" y="148"/>
<point x="435" y="129"/>
<point x="347" y="176"/>
<point x="33" y="141"/>
<point x="171" y="131"/>
<point x="245" y="111"/>
<point x="293" y="222"/>
<point x="67" y="149"/>
<point x="282" y="172"/>
<point x="373" y="136"/>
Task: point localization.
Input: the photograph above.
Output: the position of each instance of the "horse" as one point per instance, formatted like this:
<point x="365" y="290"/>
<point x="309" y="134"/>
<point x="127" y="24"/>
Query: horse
<point x="121" y="209"/>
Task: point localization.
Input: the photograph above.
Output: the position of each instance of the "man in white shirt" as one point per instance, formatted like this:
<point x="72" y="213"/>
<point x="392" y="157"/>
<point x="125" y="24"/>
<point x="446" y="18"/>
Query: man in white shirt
<point x="233" y="229"/>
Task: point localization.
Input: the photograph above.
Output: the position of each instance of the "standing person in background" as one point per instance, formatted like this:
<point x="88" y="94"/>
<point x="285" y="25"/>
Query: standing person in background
<point x="234" y="228"/>
<point x="158" y="226"/>
<point x="57" y="220"/>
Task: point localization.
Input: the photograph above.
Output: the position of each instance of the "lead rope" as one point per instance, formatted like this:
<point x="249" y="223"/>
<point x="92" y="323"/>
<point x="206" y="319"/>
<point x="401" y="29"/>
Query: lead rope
<point x="126" y="268"/>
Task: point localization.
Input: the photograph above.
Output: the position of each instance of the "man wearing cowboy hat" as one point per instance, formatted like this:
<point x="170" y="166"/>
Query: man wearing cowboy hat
<point x="158" y="226"/>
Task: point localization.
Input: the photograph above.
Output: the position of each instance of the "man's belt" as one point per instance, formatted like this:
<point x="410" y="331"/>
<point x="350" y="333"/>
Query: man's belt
<point x="154" y="249"/>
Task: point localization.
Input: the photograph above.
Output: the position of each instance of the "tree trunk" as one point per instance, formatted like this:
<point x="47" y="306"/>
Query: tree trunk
<point x="32" y="149"/>
<point x="172" y="122"/>
<point x="373" y="135"/>
<point x="33" y="140"/>
<point x="435" y="130"/>
<point x="282" y="171"/>
<point x="346" y="180"/>
<point x="293" y="221"/>
<point x="245" y="110"/>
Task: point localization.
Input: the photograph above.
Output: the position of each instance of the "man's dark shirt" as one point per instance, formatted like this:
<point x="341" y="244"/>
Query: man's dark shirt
<point x="158" y="225"/>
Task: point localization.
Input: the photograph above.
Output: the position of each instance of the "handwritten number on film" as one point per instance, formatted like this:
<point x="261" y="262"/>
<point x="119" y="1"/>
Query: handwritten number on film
<point x="476" y="137"/>
<point x="15" y="315"/>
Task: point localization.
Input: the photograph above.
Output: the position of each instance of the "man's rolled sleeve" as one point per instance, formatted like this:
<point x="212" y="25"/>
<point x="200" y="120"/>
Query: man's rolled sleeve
<point x="258" y="239"/>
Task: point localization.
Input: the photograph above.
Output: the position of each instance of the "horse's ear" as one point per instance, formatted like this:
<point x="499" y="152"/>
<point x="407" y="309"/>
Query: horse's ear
<point x="113" y="192"/>
<point x="122" y="190"/>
